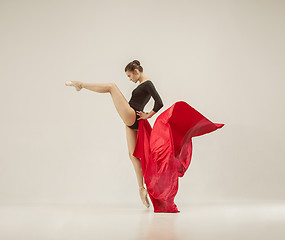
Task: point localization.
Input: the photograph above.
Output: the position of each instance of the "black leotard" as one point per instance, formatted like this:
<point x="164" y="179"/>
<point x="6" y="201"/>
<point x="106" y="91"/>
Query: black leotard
<point x="141" y="95"/>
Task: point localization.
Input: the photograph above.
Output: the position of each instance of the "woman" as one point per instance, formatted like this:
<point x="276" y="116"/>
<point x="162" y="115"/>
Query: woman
<point x="161" y="154"/>
<point x="131" y="111"/>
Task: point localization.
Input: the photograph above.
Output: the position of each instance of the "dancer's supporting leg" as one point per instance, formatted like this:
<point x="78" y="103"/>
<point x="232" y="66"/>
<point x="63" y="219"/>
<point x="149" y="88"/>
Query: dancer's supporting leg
<point x="131" y="141"/>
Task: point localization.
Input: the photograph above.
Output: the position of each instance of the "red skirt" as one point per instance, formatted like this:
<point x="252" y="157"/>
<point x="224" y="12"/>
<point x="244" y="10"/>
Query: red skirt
<point x="166" y="149"/>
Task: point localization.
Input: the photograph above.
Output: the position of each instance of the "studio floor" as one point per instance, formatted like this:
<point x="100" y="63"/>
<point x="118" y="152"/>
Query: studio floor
<point x="196" y="221"/>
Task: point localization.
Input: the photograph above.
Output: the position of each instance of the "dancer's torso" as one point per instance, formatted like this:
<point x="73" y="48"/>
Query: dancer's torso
<point x="141" y="95"/>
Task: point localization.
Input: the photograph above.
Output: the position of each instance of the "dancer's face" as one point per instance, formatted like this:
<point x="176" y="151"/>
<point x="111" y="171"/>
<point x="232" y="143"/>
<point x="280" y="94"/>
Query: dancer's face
<point x="134" y="76"/>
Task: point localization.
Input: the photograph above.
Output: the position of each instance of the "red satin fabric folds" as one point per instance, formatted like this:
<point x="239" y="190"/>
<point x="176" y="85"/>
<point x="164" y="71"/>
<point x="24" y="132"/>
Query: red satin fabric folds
<point x="166" y="149"/>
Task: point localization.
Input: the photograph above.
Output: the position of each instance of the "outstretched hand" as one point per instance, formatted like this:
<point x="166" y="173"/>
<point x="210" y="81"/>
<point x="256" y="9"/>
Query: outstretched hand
<point x="142" y="115"/>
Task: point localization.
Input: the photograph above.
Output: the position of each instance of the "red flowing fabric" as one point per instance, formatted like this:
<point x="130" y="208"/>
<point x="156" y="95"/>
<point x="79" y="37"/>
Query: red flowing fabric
<point x="166" y="149"/>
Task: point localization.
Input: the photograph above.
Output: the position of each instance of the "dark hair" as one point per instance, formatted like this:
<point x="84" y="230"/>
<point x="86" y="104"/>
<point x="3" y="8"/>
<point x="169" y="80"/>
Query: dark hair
<point x="134" y="65"/>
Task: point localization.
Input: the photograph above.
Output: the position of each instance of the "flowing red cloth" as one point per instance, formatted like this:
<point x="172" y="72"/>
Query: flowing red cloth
<point x="166" y="149"/>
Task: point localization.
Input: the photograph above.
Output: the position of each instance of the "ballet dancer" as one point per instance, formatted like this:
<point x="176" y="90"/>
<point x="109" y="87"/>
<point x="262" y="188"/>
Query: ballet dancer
<point x="130" y="112"/>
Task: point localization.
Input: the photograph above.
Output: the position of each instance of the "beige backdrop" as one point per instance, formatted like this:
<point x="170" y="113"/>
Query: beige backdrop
<point x="224" y="58"/>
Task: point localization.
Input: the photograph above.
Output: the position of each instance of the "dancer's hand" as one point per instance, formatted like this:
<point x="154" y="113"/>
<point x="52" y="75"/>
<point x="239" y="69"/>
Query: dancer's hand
<point x="142" y="115"/>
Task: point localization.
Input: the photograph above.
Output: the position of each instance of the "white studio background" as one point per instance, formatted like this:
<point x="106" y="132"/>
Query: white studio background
<point x="224" y="58"/>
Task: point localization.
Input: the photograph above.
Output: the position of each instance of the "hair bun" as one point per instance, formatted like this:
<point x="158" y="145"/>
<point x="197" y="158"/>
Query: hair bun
<point x="137" y="62"/>
<point x="134" y="65"/>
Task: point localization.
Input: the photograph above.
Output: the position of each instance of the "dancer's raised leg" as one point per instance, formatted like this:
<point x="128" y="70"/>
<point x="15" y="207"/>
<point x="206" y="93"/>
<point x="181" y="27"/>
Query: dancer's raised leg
<point x="127" y="114"/>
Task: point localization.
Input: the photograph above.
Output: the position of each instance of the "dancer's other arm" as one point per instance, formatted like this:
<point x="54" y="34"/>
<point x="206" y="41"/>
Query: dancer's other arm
<point x="158" y="104"/>
<point x="150" y="114"/>
<point x="144" y="115"/>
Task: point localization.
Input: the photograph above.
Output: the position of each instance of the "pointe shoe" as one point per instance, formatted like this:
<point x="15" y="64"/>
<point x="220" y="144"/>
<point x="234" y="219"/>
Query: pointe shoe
<point x="143" y="195"/>
<point x="75" y="84"/>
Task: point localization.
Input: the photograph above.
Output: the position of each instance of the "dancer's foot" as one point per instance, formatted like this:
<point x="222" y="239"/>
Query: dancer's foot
<point x="76" y="84"/>
<point x="143" y="195"/>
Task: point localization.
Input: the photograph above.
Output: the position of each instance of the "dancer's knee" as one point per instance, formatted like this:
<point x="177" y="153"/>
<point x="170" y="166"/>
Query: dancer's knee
<point x="113" y="85"/>
<point x="132" y="157"/>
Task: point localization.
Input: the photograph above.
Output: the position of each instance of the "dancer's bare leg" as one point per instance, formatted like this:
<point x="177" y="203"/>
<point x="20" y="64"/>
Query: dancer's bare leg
<point x="127" y="114"/>
<point x="131" y="141"/>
